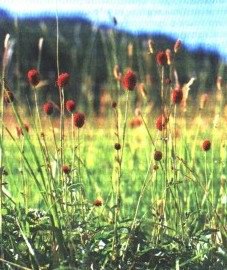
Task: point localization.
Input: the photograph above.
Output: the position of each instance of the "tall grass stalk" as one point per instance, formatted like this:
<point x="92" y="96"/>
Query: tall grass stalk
<point x="4" y="65"/>
<point x="118" y="181"/>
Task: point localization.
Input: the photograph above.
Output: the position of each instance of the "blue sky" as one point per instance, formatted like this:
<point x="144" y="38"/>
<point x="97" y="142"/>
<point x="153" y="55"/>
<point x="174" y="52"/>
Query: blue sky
<point x="195" y="22"/>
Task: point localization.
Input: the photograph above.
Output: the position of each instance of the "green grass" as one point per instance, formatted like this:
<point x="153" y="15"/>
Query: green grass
<point x="168" y="214"/>
<point x="185" y="217"/>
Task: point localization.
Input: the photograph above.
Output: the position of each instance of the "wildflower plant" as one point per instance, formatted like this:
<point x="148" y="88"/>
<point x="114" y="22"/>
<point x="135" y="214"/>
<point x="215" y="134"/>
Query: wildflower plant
<point x="161" y="204"/>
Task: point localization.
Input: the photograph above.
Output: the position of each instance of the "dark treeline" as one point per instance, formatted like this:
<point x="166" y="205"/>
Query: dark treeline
<point x="89" y="53"/>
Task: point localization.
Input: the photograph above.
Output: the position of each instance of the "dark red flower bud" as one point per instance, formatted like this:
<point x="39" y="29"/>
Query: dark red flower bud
<point x="206" y="145"/>
<point x="114" y="104"/>
<point x="157" y="155"/>
<point x="98" y="202"/>
<point x="79" y="119"/>
<point x="33" y="77"/>
<point x="8" y="96"/>
<point x="155" y="167"/>
<point x="161" y="122"/>
<point x="70" y="105"/>
<point x="129" y="80"/>
<point x="117" y="146"/>
<point x="48" y="108"/>
<point x="63" y="79"/>
<point x="161" y="58"/>
<point x="135" y="122"/>
<point x="177" y="95"/>
<point x="66" y="169"/>
<point x="20" y="130"/>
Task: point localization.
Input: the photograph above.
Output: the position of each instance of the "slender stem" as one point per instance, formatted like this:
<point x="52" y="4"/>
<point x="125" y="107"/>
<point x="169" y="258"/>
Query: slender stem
<point x="206" y="177"/>
<point x="54" y="135"/>
<point x="57" y="43"/>
<point x="1" y="158"/>
<point x="148" y="132"/>
<point x="162" y="90"/>
<point x="37" y="110"/>
<point x="122" y="150"/>
<point x="61" y="95"/>
<point x="124" y="128"/>
<point x="4" y="65"/>
<point x="73" y="145"/>
<point x="118" y="182"/>
<point x="78" y="152"/>
<point x="40" y="53"/>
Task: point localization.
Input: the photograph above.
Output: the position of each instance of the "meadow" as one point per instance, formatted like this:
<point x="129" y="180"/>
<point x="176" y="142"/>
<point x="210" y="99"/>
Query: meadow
<point x="136" y="188"/>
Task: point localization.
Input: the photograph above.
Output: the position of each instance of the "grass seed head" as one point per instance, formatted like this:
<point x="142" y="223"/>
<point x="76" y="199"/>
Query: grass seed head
<point x="203" y="100"/>
<point x="20" y="130"/>
<point x="117" y="73"/>
<point x="8" y="96"/>
<point x="169" y="56"/>
<point x="177" y="46"/>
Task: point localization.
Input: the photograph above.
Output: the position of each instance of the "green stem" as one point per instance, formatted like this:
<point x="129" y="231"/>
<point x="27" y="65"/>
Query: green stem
<point x="1" y="159"/>
<point x="78" y="152"/>
<point x="118" y="183"/>
<point x="37" y="110"/>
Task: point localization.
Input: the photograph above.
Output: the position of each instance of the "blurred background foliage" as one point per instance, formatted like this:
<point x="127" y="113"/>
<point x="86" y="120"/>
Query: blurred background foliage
<point x="89" y="53"/>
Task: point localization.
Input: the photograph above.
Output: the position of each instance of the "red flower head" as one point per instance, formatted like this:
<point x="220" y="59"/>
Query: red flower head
<point x="8" y="96"/>
<point x="70" y="105"/>
<point x="33" y="77"/>
<point x="157" y="155"/>
<point x="161" y="122"/>
<point x="206" y="145"/>
<point x="63" y="79"/>
<point x="161" y="58"/>
<point x="135" y="122"/>
<point x="48" y="108"/>
<point x="177" y="95"/>
<point x="20" y="130"/>
<point x="66" y="169"/>
<point x="79" y="119"/>
<point x="98" y="202"/>
<point x="129" y="80"/>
